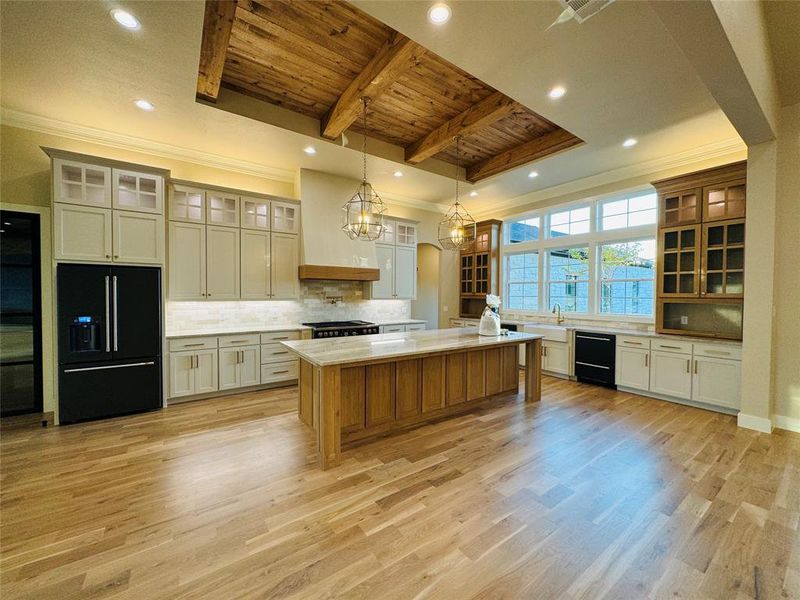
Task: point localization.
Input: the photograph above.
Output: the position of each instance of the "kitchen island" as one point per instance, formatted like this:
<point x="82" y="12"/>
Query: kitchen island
<point x="354" y="388"/>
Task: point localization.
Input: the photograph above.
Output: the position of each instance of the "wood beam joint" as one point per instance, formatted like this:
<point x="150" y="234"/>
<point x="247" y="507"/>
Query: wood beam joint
<point x="217" y="26"/>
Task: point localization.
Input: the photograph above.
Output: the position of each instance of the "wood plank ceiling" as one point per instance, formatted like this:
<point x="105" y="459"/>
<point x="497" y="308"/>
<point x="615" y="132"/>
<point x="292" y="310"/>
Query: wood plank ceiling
<point x="320" y="58"/>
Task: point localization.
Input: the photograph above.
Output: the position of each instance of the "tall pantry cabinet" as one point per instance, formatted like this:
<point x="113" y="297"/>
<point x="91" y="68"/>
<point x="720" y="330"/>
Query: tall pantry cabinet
<point x="701" y="250"/>
<point x="224" y="245"/>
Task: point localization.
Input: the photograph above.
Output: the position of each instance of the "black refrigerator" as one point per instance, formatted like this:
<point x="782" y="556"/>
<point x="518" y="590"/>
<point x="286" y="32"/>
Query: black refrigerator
<point x="109" y="341"/>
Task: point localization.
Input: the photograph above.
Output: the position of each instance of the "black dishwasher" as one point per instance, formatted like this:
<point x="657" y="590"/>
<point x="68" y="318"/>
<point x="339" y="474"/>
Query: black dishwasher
<point x="595" y="357"/>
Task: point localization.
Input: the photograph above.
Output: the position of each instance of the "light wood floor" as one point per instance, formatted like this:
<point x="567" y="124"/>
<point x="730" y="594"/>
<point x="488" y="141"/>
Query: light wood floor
<point x="590" y="494"/>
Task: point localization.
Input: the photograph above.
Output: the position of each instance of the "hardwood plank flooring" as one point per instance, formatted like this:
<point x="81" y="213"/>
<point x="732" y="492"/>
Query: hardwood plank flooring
<point x="590" y="493"/>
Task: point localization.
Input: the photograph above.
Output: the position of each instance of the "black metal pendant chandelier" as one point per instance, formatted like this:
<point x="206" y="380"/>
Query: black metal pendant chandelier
<point x="457" y="229"/>
<point x="363" y="213"/>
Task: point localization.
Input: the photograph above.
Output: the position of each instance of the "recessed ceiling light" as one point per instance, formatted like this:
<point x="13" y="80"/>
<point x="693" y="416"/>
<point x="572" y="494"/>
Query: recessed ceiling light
<point x="126" y="19"/>
<point x="398" y="173"/>
<point x="533" y="174"/>
<point x="439" y="13"/>
<point x="557" y="92"/>
<point x="629" y="142"/>
<point x="473" y="193"/>
<point x="145" y="105"/>
<point x="310" y="150"/>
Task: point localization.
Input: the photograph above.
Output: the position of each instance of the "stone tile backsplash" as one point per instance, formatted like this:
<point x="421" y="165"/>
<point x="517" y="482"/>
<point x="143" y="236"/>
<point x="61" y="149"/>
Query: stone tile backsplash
<point x="314" y="305"/>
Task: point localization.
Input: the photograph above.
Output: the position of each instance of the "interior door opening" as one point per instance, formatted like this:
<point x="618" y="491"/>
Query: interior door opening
<point x="20" y="314"/>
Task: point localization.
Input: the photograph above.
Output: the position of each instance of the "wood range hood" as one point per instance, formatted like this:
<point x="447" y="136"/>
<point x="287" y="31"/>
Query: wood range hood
<point x="333" y="273"/>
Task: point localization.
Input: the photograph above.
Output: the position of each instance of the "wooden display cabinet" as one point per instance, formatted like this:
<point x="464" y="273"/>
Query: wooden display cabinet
<point x="479" y="268"/>
<point x="701" y="246"/>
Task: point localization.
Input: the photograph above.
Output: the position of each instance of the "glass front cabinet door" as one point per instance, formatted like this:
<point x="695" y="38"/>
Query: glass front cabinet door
<point x="285" y="217"/>
<point x="187" y="204"/>
<point x="723" y="259"/>
<point x="222" y="209"/>
<point x="680" y="208"/>
<point x="724" y="201"/>
<point x="255" y="213"/>
<point x="141" y="192"/>
<point x="79" y="183"/>
<point x="680" y="262"/>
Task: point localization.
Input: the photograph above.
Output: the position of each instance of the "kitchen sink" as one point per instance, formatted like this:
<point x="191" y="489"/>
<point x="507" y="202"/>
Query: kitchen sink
<point x="553" y="333"/>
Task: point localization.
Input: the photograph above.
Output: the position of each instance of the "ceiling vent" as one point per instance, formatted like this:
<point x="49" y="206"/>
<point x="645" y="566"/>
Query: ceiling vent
<point x="580" y="10"/>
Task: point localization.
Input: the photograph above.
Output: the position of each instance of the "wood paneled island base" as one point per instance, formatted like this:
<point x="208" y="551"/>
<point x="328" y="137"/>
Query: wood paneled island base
<point x="352" y="389"/>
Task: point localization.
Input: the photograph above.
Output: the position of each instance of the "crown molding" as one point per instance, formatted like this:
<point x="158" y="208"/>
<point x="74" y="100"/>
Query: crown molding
<point x="414" y="203"/>
<point x="24" y="120"/>
<point x="650" y="167"/>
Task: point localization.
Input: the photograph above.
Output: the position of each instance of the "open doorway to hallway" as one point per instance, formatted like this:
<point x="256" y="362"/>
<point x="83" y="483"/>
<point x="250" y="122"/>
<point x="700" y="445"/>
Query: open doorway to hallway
<point x="426" y="306"/>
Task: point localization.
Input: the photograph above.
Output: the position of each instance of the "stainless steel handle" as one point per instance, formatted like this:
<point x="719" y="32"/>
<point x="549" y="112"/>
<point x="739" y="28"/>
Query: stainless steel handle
<point x="670" y="347"/>
<point x="108" y="316"/>
<point x="591" y="365"/>
<point x="139" y="364"/>
<point x="695" y="367"/>
<point x="591" y="337"/>
<point x="646" y="360"/>
<point x="238" y="341"/>
<point x="630" y="342"/>
<point x="194" y="345"/>
<point x="116" y="310"/>
<point x="687" y="365"/>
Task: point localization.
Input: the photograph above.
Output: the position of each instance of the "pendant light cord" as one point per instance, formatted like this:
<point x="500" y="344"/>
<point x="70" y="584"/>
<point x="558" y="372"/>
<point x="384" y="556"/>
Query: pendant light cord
<point x="458" y="167"/>
<point x="365" y="100"/>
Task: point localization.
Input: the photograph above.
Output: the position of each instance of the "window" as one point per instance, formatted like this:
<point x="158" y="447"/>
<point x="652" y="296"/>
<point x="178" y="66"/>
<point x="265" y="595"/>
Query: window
<point x="626" y="278"/>
<point x="525" y="230"/>
<point x="522" y="281"/>
<point x="570" y="222"/>
<point x="628" y="212"/>
<point x="568" y="279"/>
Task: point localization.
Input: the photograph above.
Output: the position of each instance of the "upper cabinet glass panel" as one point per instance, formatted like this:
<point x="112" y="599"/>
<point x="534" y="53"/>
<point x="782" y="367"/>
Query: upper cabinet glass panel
<point x="142" y="192"/>
<point x="255" y="213"/>
<point x="222" y="209"/>
<point x="406" y="234"/>
<point x="187" y="204"/>
<point x="285" y="217"/>
<point x="725" y="201"/>
<point x="79" y="183"/>
<point x="680" y="208"/>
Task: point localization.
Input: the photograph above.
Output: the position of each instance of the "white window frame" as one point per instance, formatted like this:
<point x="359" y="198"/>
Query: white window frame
<point x="506" y="295"/>
<point x="599" y="299"/>
<point x="617" y="197"/>
<point x="589" y="271"/>
<point x="592" y="240"/>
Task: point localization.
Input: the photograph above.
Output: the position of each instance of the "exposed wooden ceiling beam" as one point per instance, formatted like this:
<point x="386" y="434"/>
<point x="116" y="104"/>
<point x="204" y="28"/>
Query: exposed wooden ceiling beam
<point x="540" y="147"/>
<point x="394" y="57"/>
<point x="478" y="116"/>
<point x="214" y="46"/>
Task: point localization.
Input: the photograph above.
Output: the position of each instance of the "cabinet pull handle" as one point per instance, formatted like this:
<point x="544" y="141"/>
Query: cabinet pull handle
<point x="286" y="337"/>
<point x="718" y="352"/>
<point x="630" y="342"/>
<point x="193" y="345"/>
<point x="285" y="352"/>
<point x="695" y="367"/>
<point x="646" y="360"/>
<point x="670" y="347"/>
<point x="238" y="341"/>
<point x="279" y="372"/>
<point x="592" y="337"/>
<point x="687" y="365"/>
<point x="108" y="315"/>
<point x="196" y="361"/>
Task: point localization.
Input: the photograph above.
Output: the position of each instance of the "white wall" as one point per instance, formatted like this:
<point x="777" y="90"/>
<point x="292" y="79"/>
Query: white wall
<point x="426" y="306"/>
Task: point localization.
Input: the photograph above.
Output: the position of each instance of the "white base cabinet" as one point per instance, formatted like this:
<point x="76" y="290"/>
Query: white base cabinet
<point x="555" y="357"/>
<point x="239" y="366"/>
<point x="670" y="374"/>
<point x="192" y="372"/>
<point x="717" y="381"/>
<point x="633" y="368"/>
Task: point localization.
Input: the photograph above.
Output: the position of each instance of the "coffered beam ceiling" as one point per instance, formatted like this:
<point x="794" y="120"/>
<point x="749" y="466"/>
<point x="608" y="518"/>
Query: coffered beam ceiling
<point x="321" y="58"/>
<point x="216" y="34"/>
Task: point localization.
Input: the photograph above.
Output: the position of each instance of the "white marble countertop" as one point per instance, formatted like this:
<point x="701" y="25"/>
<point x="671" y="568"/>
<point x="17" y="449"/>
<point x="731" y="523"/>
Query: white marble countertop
<point x="217" y="330"/>
<point x="336" y="351"/>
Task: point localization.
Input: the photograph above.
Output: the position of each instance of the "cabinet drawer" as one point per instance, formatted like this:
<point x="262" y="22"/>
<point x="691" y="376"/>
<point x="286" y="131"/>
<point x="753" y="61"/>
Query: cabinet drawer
<point x="279" y="336"/>
<point x="416" y="327"/>
<point x="248" y="339"/>
<point x="630" y="341"/>
<point x="718" y="351"/>
<point x="392" y="328"/>
<point x="275" y="352"/>
<point x="671" y="346"/>
<point x="195" y="343"/>
<point x="282" y="371"/>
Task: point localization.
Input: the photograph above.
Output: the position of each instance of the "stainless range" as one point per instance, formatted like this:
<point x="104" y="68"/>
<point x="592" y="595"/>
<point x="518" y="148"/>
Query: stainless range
<point x="326" y="329"/>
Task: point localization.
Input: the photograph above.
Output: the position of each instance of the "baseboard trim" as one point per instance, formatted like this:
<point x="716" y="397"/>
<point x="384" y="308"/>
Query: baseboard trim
<point x="725" y="410"/>
<point x="753" y="422"/>
<point x="787" y="423"/>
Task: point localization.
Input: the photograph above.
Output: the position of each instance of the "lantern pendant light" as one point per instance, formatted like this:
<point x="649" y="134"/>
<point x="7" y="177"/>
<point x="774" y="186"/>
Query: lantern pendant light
<point x="457" y="229"/>
<point x="363" y="213"/>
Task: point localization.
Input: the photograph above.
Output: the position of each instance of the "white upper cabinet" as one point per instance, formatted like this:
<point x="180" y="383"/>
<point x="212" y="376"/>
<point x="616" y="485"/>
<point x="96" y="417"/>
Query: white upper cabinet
<point x="138" y="237"/>
<point x="187" y="261"/>
<point x="406" y="234"/>
<point x="222" y="209"/>
<point x="80" y="183"/>
<point x="405" y="273"/>
<point x="187" y="204"/>
<point x="285" y="262"/>
<point x="256" y="265"/>
<point x="222" y="263"/>
<point x="82" y="233"/>
<point x="142" y="192"/>
<point x="255" y="213"/>
<point x="285" y="217"/>
<point x="384" y="287"/>
<point x="389" y="231"/>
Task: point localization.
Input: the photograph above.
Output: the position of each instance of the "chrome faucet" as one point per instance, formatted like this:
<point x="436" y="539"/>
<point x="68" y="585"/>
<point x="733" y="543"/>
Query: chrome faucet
<point x="557" y="312"/>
